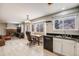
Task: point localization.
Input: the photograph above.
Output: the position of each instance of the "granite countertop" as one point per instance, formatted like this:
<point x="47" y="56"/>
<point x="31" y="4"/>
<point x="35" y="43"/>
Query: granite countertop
<point x="63" y="35"/>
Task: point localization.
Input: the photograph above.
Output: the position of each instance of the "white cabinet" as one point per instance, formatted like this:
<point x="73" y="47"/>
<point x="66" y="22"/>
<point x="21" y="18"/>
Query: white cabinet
<point x="77" y="49"/>
<point x="65" y="47"/>
<point x="68" y="47"/>
<point x="57" y="45"/>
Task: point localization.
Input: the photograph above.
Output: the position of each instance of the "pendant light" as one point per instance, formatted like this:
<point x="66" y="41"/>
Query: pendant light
<point x="27" y="21"/>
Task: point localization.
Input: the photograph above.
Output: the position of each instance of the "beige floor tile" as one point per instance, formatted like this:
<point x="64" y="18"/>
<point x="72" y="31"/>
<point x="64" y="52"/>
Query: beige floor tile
<point x="19" y="47"/>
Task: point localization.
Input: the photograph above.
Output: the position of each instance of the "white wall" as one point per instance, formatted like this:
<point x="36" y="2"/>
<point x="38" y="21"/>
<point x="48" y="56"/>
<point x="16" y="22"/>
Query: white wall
<point x="2" y="29"/>
<point x="49" y="27"/>
<point x="11" y="26"/>
<point x="68" y="13"/>
<point x="36" y="22"/>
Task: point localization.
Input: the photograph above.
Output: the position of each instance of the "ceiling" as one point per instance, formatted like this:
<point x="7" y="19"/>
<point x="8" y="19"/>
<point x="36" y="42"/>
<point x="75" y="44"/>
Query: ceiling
<point x="16" y="12"/>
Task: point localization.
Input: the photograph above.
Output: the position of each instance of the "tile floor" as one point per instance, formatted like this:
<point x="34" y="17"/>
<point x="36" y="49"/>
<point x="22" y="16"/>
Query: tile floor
<point x="19" y="47"/>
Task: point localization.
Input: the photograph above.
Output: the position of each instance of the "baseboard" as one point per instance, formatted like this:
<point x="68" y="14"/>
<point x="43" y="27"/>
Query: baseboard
<point x="58" y="54"/>
<point x="55" y="53"/>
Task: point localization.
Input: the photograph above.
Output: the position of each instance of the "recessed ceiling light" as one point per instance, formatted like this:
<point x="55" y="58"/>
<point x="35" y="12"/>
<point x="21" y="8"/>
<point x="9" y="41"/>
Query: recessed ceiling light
<point x="63" y="8"/>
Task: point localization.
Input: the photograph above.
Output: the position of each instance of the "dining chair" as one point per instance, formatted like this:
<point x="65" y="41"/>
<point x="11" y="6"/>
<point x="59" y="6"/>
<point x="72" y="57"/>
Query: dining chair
<point x="30" y="38"/>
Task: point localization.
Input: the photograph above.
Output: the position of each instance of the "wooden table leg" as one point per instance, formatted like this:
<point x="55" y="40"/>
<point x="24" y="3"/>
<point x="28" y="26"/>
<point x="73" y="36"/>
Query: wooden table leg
<point x="38" y="41"/>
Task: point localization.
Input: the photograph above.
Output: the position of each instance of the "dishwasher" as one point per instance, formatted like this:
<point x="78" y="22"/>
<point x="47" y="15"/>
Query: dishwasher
<point x="48" y="43"/>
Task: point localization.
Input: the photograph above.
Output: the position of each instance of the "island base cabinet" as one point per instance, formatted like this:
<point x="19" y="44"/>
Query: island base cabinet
<point x="68" y="47"/>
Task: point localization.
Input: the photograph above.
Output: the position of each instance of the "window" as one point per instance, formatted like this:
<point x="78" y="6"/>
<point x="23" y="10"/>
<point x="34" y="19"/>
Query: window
<point x="38" y="27"/>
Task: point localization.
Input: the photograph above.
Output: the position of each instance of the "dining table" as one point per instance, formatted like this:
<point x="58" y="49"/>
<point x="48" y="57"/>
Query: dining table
<point x="37" y="36"/>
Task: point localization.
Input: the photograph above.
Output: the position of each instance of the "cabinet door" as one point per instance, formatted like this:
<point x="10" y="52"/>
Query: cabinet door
<point x="57" y="45"/>
<point x="68" y="47"/>
<point x="77" y="49"/>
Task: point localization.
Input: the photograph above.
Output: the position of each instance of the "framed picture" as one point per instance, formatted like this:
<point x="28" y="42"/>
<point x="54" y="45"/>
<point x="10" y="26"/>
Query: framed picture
<point x="65" y="23"/>
<point x="69" y="23"/>
<point x="39" y="27"/>
<point x="58" y="24"/>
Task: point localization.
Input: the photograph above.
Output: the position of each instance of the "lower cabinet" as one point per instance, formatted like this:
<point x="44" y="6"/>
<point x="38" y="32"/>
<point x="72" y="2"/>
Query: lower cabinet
<point x="64" y="46"/>
<point x="57" y="45"/>
<point x="68" y="47"/>
<point x="77" y="48"/>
